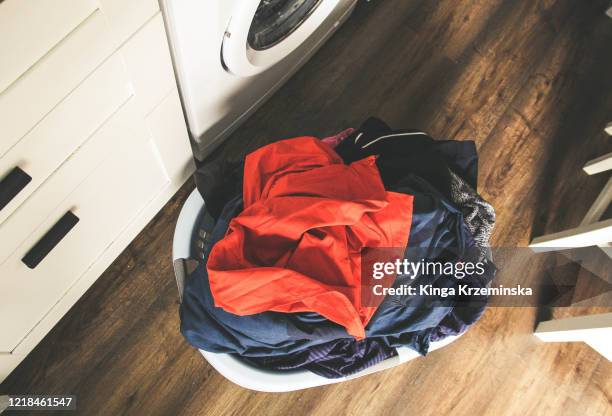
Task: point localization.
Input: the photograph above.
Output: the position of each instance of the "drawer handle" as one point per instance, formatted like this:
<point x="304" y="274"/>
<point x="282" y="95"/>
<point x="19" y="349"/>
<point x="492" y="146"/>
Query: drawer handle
<point x="12" y="184"/>
<point x="50" y="240"/>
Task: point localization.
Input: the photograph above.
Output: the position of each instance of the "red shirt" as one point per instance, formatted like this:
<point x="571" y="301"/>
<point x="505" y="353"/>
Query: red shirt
<point x="297" y="244"/>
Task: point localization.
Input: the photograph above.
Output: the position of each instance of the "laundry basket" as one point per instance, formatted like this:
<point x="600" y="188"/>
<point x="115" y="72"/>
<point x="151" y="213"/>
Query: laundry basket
<point x="185" y="246"/>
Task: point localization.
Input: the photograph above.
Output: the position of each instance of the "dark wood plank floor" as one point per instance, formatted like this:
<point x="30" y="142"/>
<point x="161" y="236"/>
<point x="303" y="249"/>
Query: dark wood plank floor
<point x="529" y="80"/>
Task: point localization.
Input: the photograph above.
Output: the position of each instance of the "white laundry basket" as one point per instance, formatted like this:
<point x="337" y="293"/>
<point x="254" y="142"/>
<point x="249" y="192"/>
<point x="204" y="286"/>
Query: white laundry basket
<point x="234" y="369"/>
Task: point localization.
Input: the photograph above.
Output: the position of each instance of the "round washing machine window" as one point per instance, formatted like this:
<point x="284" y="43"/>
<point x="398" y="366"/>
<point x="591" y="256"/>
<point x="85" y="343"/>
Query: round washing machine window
<point x="275" y="19"/>
<point x="261" y="33"/>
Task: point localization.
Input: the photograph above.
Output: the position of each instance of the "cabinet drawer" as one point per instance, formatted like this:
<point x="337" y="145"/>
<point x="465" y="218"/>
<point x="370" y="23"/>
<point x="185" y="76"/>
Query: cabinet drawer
<point x="30" y="28"/>
<point x="61" y="132"/>
<point x="126" y="17"/>
<point x="52" y="78"/>
<point x="104" y="203"/>
<point x="122" y="127"/>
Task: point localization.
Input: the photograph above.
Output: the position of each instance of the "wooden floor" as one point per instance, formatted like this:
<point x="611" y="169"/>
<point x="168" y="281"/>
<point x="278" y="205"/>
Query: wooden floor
<point x="530" y="81"/>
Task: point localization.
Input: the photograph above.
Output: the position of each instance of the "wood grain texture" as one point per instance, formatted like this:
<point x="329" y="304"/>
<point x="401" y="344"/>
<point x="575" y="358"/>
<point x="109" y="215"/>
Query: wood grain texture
<point x="528" y="80"/>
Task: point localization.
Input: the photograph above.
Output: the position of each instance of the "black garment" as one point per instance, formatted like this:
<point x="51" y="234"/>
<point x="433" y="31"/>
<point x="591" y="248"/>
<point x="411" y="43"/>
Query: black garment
<point x="402" y="152"/>
<point x="218" y="181"/>
<point x="450" y="166"/>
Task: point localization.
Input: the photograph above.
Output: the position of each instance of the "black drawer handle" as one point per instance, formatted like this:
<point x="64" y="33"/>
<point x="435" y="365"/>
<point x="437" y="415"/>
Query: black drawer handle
<point x="50" y="240"/>
<point x="12" y="184"/>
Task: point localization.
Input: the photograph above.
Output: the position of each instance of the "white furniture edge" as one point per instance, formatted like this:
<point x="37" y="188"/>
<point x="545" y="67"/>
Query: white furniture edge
<point x="597" y="165"/>
<point x="583" y="236"/>
<point x="594" y="330"/>
<point x="248" y="376"/>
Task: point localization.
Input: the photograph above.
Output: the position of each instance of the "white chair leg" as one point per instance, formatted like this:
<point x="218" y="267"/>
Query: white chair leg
<point x="607" y="248"/>
<point x="595" y="234"/>
<point x="597" y="210"/>
<point x="591" y="231"/>
<point x="609" y="126"/>
<point x="599" y="164"/>
<point x="600" y="205"/>
<point x="595" y="330"/>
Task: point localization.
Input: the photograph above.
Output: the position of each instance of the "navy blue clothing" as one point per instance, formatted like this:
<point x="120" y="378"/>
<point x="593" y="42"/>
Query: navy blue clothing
<point x="333" y="359"/>
<point x="438" y="233"/>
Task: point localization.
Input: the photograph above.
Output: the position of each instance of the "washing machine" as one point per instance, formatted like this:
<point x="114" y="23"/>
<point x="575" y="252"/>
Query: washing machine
<point x="230" y="55"/>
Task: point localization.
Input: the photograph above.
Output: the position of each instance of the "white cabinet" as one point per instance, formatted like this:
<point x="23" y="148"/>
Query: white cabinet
<point x="90" y="115"/>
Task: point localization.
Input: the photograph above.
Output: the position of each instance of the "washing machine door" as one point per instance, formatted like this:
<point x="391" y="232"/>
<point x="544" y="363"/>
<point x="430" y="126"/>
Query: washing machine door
<point x="262" y="32"/>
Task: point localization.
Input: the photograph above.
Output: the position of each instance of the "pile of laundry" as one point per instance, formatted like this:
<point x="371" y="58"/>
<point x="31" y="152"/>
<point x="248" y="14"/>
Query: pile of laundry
<point x="280" y="280"/>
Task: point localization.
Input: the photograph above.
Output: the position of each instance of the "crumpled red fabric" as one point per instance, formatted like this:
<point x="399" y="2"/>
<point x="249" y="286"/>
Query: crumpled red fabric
<point x="296" y="246"/>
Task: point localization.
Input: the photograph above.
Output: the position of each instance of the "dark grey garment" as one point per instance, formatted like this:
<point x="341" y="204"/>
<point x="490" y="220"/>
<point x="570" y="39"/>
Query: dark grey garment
<point x="478" y="214"/>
